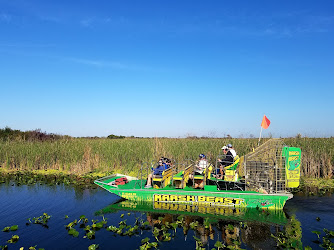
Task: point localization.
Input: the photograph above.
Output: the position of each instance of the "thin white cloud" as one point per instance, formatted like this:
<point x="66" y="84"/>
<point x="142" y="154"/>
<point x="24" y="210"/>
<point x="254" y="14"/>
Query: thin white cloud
<point x="51" y="19"/>
<point x="90" y="22"/>
<point x="5" y="17"/>
<point x="98" y="63"/>
<point x="276" y="24"/>
<point x="115" y="65"/>
<point x="110" y="64"/>
<point x="27" y="45"/>
<point x="87" y="22"/>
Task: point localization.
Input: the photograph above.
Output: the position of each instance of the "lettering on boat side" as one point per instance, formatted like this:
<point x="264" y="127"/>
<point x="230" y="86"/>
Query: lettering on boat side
<point x="200" y="199"/>
<point x="200" y="208"/>
<point x="127" y="195"/>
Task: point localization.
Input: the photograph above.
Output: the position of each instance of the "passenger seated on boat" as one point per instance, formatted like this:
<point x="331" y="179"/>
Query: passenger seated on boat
<point x="232" y="150"/>
<point x="228" y="160"/>
<point x="166" y="162"/>
<point x="231" y="171"/>
<point x="200" y="168"/>
<point x="157" y="172"/>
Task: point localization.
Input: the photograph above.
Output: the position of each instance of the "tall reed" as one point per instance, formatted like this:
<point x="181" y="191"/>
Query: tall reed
<point x="109" y="155"/>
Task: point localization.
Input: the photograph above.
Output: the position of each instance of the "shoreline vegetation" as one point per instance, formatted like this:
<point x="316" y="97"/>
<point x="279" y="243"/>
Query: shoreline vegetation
<point x="35" y="151"/>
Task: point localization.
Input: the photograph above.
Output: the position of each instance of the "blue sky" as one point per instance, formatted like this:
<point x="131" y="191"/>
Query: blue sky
<point x="167" y="68"/>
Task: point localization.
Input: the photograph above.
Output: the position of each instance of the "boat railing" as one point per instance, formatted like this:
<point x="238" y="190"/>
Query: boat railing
<point x="144" y="171"/>
<point x="232" y="178"/>
<point x="235" y="164"/>
<point x="265" y="168"/>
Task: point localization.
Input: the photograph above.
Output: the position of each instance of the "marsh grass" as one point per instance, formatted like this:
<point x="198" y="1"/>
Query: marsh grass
<point x="317" y="156"/>
<point x="82" y="156"/>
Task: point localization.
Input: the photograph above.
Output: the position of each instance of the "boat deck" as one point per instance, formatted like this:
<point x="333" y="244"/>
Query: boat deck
<point x="139" y="184"/>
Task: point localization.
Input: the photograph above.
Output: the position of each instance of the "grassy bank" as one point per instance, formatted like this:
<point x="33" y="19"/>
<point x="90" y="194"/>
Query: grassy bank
<point x="81" y="156"/>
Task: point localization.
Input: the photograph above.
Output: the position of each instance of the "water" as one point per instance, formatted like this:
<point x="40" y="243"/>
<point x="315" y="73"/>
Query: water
<point x="307" y="209"/>
<point x="18" y="203"/>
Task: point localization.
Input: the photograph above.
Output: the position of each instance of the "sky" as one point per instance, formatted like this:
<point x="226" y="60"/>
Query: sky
<point x="167" y="68"/>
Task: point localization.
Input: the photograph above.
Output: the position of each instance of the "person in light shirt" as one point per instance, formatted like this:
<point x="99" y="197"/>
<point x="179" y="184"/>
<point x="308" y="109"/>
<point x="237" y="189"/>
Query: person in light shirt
<point x="231" y="149"/>
<point x="202" y="164"/>
<point x="200" y="170"/>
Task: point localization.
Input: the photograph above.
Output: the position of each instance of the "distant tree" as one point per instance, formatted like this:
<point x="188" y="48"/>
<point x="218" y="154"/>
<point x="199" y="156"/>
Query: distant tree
<point x="32" y="135"/>
<point x="116" y="137"/>
<point x="9" y="134"/>
<point x="192" y="137"/>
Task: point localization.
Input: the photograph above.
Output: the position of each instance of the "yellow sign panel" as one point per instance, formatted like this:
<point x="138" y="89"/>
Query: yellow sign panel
<point x="293" y="168"/>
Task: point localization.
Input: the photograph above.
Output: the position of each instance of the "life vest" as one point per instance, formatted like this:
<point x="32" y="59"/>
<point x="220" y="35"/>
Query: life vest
<point x="121" y="181"/>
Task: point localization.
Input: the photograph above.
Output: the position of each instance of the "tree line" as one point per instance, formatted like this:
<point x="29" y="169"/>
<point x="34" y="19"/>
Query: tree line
<point x="8" y="134"/>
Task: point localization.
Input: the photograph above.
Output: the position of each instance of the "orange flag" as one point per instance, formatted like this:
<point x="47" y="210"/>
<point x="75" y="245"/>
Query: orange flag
<point x="265" y="122"/>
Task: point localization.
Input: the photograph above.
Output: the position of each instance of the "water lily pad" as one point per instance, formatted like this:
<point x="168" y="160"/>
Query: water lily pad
<point x="14" y="228"/>
<point x="98" y="225"/>
<point x="93" y="247"/>
<point x="145" y="240"/>
<point x="73" y="232"/>
<point x="90" y="234"/>
<point x="14" y="239"/>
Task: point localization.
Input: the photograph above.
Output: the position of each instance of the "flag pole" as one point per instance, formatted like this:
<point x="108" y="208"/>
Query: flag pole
<point x="258" y="144"/>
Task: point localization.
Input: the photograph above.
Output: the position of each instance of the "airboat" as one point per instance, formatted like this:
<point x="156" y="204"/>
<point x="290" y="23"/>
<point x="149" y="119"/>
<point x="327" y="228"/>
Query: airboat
<point x="261" y="179"/>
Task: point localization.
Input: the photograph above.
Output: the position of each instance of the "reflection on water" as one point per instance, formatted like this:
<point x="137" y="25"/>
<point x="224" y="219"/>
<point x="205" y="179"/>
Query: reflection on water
<point x="226" y="213"/>
<point x="231" y="226"/>
<point x="185" y="225"/>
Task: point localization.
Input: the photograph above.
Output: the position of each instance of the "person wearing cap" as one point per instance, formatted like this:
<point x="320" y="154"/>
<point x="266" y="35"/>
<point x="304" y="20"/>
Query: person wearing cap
<point x="228" y="160"/>
<point x="202" y="164"/>
<point x="165" y="162"/>
<point x="157" y="172"/>
<point x="231" y="149"/>
<point x="200" y="168"/>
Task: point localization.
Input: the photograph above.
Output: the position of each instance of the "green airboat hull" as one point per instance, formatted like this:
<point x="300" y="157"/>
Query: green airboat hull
<point x="210" y="197"/>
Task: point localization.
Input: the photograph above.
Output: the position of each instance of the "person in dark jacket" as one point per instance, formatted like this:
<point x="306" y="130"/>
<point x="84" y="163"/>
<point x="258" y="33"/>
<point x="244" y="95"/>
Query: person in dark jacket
<point x="166" y="162"/>
<point x="228" y="160"/>
<point x="157" y="172"/>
